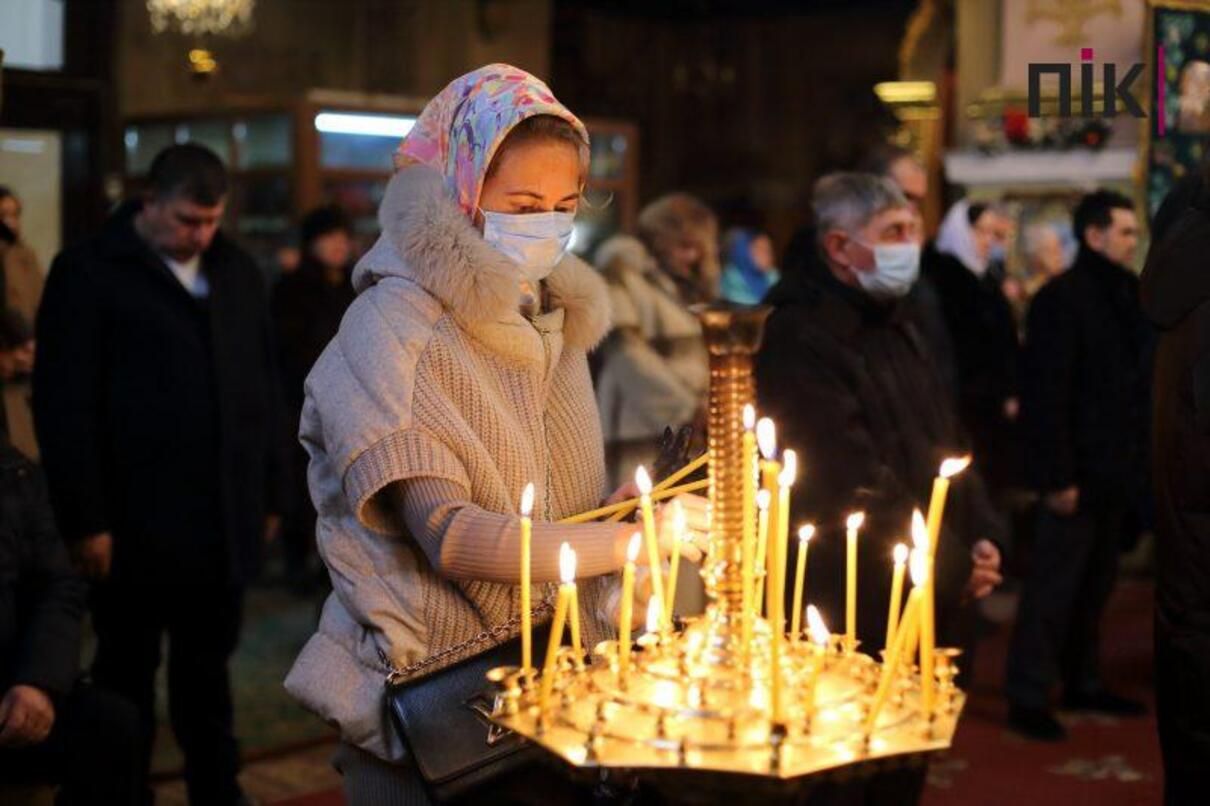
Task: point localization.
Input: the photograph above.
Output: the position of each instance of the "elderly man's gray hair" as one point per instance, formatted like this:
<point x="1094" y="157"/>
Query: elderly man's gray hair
<point x="848" y="201"/>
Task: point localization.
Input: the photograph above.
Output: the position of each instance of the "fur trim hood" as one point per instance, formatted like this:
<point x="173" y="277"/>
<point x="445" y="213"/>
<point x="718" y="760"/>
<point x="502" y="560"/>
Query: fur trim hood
<point x="428" y="240"/>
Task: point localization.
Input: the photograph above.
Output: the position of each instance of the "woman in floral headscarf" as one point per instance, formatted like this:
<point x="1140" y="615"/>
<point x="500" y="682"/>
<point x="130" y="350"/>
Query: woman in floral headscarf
<point x="458" y="376"/>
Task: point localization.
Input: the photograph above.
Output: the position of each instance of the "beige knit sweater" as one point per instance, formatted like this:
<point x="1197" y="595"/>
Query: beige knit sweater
<point x="434" y="374"/>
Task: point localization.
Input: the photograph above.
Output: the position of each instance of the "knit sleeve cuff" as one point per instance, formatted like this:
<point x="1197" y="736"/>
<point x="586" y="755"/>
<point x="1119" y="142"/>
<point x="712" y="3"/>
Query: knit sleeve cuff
<point x="397" y="457"/>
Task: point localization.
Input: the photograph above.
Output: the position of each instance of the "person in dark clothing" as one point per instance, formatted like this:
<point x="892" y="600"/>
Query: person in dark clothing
<point x="983" y="335"/>
<point x="846" y="375"/>
<point x="1176" y="298"/>
<point x="53" y="728"/>
<point x="157" y="406"/>
<point x="307" y="308"/>
<point x="1084" y="397"/>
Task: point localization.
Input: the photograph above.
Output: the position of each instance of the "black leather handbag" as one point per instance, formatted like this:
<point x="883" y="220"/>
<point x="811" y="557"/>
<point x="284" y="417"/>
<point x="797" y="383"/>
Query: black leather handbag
<point x="443" y="718"/>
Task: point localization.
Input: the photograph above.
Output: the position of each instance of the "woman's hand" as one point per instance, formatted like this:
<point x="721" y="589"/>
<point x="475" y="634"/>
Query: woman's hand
<point x="692" y="531"/>
<point x="626" y="492"/>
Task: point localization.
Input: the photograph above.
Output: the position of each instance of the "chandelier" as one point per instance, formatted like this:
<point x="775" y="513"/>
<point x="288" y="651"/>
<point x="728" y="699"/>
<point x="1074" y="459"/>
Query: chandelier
<point x="201" y="17"/>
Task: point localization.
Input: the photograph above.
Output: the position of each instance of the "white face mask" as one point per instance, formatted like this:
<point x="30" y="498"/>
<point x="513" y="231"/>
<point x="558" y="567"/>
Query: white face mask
<point x="896" y="267"/>
<point x="534" y="241"/>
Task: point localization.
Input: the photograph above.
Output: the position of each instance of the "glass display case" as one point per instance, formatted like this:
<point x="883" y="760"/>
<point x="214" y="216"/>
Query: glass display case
<point x="331" y="147"/>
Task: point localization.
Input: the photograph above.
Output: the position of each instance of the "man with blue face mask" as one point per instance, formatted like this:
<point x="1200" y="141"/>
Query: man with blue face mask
<point x="852" y="386"/>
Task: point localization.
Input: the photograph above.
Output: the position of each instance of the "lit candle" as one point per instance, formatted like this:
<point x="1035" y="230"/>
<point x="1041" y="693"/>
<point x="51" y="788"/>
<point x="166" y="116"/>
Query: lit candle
<point x="800" y="572"/>
<point x="770" y="471"/>
<point x="567" y="572"/>
<point x="785" y="480"/>
<point x="762" y="547"/>
<point x="573" y="620"/>
<point x="920" y="537"/>
<point x="527" y="637"/>
<point x="679" y="533"/>
<point x="820" y="636"/>
<point x="632" y="554"/>
<point x="655" y="616"/>
<point x="941" y="487"/>
<point x="892" y="619"/>
<point x="643" y="481"/>
<point x="890" y="664"/>
<point x="852" y="524"/>
<point x="749" y="532"/>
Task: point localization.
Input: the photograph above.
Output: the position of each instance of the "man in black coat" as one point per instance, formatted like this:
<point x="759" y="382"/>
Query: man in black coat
<point x="846" y="375"/>
<point x="1084" y="397"/>
<point x="157" y="404"/>
<point x="53" y="729"/>
<point x="1176" y="298"/>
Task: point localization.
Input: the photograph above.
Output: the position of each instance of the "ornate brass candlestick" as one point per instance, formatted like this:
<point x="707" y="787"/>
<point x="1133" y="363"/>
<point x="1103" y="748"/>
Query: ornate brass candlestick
<point x="694" y="699"/>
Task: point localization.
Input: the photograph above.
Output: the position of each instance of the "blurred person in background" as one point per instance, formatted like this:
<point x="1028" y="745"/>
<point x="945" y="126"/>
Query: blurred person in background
<point x="308" y="305"/>
<point x="653" y="366"/>
<point x="21" y="283"/>
<point x="157" y="404"/>
<point x="751" y="268"/>
<point x="54" y="728"/>
<point x="1045" y="256"/>
<point x="1084" y="413"/>
<point x="983" y="332"/>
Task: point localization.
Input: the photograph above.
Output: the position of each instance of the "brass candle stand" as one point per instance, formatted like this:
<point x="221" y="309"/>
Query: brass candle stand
<point x="695" y="698"/>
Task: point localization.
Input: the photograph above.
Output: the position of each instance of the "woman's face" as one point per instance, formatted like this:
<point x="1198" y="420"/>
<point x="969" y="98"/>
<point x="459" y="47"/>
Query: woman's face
<point x="536" y="177"/>
<point x="761" y="250"/>
<point x="983" y="232"/>
<point x="682" y="256"/>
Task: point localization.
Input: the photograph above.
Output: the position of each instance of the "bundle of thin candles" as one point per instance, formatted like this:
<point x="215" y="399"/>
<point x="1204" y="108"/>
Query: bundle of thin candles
<point x="666" y="489"/>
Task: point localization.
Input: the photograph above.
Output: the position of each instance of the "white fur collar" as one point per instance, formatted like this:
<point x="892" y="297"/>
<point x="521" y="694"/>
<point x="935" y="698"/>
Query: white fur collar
<point x="434" y="245"/>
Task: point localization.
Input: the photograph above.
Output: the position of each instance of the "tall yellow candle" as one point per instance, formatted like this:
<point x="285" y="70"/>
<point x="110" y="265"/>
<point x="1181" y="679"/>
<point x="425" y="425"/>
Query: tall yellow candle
<point x="679" y="534"/>
<point x="527" y="635"/>
<point x="749" y="531"/>
<point x="762" y="547"/>
<point x="852" y="525"/>
<point x="770" y="470"/>
<point x="921" y="538"/>
<point x="567" y="572"/>
<point x="890" y="664"/>
<point x="805" y="534"/>
<point x="785" y="480"/>
<point x="892" y="619"/>
<point x="573" y="621"/>
<point x="655" y="616"/>
<point x="627" y="614"/>
<point x="643" y="481"/>
<point x="941" y="485"/>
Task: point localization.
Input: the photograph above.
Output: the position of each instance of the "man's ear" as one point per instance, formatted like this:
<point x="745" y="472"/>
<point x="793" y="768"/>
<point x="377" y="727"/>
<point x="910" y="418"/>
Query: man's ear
<point x="1094" y="237"/>
<point x="833" y="244"/>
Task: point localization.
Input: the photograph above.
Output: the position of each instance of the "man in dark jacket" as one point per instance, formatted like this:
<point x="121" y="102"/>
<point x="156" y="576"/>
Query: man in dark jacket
<point x="1176" y="293"/>
<point x="846" y="376"/>
<point x="1084" y="398"/>
<point x="308" y="305"/>
<point x="52" y="728"/>
<point x="156" y="401"/>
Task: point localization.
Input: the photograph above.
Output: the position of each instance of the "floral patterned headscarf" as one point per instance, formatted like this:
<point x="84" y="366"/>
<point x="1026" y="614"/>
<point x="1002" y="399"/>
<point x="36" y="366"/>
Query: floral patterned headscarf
<point x="460" y="129"/>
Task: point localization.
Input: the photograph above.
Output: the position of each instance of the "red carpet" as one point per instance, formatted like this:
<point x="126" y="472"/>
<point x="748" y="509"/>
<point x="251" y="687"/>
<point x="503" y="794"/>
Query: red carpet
<point x="1105" y="762"/>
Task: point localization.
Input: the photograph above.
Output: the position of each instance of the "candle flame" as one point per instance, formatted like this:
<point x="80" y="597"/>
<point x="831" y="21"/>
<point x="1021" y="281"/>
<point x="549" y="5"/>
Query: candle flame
<point x="527" y="500"/>
<point x="766" y="437"/>
<point x="789" y="470"/>
<point x="642" y="480"/>
<point x="655" y="614"/>
<point x="954" y="466"/>
<point x="632" y="548"/>
<point x="918" y="566"/>
<point x="900" y="553"/>
<point x="567" y="564"/>
<point x="679" y="524"/>
<point x="920" y="532"/>
<point x="763" y="499"/>
<point x="806" y="532"/>
<point x="855" y="521"/>
<point x="749" y="416"/>
<point x="816" y="628"/>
